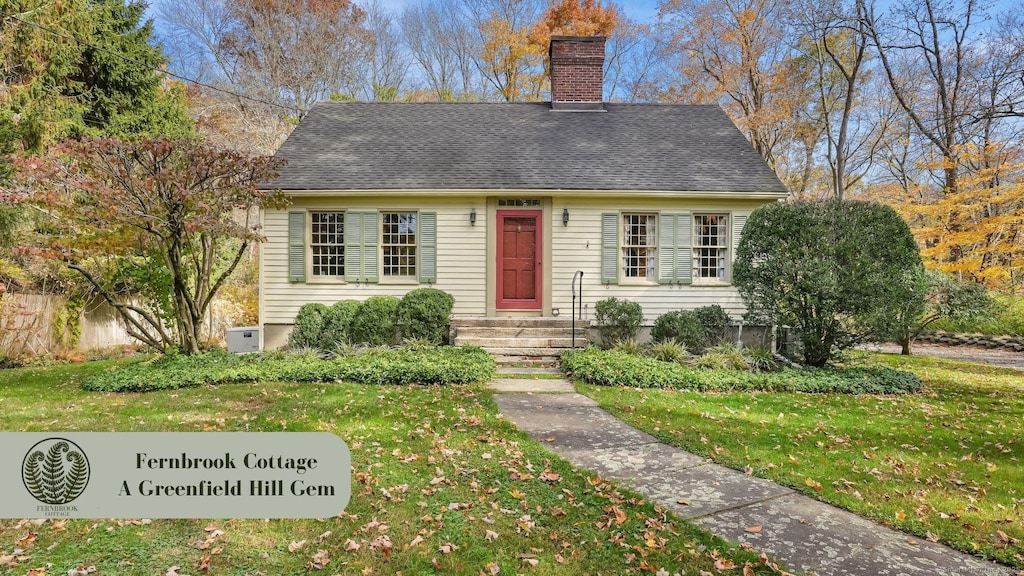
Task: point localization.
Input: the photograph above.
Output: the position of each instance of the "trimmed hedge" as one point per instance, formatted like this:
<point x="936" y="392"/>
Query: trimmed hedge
<point x="424" y="314"/>
<point x="449" y="365"/>
<point x="374" y="322"/>
<point x="617" y="319"/>
<point x="612" y="368"/>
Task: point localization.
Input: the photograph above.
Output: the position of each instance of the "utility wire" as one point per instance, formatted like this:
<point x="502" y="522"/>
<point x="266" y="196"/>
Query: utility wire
<point x="144" y="65"/>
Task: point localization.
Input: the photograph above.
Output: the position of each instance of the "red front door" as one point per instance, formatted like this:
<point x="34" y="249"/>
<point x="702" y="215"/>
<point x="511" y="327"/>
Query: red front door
<point x="519" y="259"/>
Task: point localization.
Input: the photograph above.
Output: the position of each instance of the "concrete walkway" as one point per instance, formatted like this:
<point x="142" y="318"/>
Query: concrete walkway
<point x="806" y="535"/>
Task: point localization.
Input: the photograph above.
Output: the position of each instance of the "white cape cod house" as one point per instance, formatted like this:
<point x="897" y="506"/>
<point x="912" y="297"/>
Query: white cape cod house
<point x="500" y="204"/>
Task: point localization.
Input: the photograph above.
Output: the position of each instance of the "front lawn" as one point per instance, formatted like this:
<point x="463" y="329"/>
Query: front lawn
<point x="944" y="463"/>
<point x="441" y="484"/>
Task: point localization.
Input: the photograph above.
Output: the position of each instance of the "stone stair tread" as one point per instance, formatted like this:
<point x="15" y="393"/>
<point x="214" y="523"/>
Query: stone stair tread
<point x="520" y="342"/>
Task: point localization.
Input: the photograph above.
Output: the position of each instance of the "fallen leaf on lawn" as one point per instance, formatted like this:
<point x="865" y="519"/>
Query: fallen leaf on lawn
<point x="620" y="516"/>
<point x="323" y="536"/>
<point x="417" y="540"/>
<point x="723" y="564"/>
<point x="1004" y="537"/>
<point x="296" y="545"/>
<point x="320" y="560"/>
<point x="80" y="571"/>
<point x="26" y="541"/>
<point x="748" y="470"/>
<point x="351" y="545"/>
<point x="447" y="548"/>
<point x="813" y="484"/>
<point x="549" y="476"/>
<point x="748" y="571"/>
<point x="172" y="571"/>
<point x="683" y="502"/>
<point x="753" y="530"/>
<point x="204" y="564"/>
<point x="36" y="572"/>
<point x="793" y="459"/>
<point x="5" y="560"/>
<point x="991" y="467"/>
<point x="559" y="559"/>
<point x="901" y="515"/>
<point x="210" y="527"/>
<point x="493" y="568"/>
<point x="491" y="536"/>
<point x="931" y="537"/>
<point x="515" y="493"/>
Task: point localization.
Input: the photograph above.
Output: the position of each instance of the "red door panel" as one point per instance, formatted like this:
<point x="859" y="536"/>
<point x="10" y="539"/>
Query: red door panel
<point x="518" y="259"/>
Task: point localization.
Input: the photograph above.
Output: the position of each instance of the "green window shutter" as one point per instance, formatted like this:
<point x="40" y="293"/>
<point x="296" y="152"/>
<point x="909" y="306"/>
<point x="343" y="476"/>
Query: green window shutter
<point x="369" y="248"/>
<point x="610" y="248"/>
<point x="297" y="246"/>
<point x="738" y="222"/>
<point x="667" y="269"/>
<point x="684" y="248"/>
<point x="353" y="242"/>
<point x="428" y="247"/>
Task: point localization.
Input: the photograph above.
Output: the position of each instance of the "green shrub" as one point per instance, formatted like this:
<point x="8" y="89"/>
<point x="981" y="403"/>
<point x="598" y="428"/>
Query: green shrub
<point x="424" y="313"/>
<point x="629" y="346"/>
<point x="309" y="326"/>
<point x="838" y="272"/>
<point x="617" y="319"/>
<point x="761" y="358"/>
<point x="715" y="321"/>
<point x="611" y="368"/>
<point x="337" y="320"/>
<point x="1005" y="318"/>
<point x="374" y="322"/>
<point x="683" y="326"/>
<point x="726" y="356"/>
<point x="669" y="351"/>
<point x="448" y="365"/>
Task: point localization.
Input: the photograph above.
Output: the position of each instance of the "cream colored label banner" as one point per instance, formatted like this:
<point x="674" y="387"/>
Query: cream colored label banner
<point x="173" y="475"/>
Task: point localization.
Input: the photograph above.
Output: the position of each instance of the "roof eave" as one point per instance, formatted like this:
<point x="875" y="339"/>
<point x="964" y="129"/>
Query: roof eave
<point x="427" y="192"/>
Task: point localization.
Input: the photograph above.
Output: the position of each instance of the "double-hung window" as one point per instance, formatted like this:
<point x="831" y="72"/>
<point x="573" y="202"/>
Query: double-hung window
<point x="398" y="244"/>
<point x="710" y="248"/>
<point x="639" y="246"/>
<point x="327" y="244"/>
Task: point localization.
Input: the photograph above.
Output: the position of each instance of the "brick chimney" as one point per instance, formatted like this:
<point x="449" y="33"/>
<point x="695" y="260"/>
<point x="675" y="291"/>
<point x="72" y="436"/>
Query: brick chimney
<point x="577" y="72"/>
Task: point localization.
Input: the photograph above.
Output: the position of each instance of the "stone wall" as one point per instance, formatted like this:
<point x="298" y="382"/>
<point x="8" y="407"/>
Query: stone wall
<point x="1013" y="343"/>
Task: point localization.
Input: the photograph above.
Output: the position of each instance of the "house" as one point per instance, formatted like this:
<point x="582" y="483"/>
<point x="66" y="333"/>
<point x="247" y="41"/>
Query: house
<point x="500" y="204"/>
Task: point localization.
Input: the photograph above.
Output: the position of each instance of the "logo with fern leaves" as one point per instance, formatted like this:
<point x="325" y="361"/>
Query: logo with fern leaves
<point x="55" y="471"/>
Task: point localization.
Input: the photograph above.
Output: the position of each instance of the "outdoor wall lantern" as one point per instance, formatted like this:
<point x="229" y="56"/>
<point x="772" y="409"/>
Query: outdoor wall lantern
<point x="565" y="216"/>
<point x="472" y="216"/>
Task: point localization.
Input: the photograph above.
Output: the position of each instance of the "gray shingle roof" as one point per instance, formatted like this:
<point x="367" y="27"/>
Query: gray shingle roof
<point x="401" y="146"/>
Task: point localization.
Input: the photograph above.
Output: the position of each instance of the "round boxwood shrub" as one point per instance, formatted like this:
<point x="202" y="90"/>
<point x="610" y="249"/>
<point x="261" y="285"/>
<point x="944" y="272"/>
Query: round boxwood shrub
<point x="424" y="313"/>
<point x="681" y="326"/>
<point x="309" y="326"/>
<point x="617" y="319"/>
<point x="837" y="272"/>
<point x="337" y="319"/>
<point x="374" y="322"/>
<point x="714" y="320"/>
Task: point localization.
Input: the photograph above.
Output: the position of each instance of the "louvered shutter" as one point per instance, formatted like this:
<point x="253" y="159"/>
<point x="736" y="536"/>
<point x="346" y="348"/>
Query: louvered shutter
<point x="738" y="222"/>
<point x="610" y="248"/>
<point x="369" y="255"/>
<point x="297" y="246"/>
<point x="428" y="247"/>
<point x="667" y="273"/>
<point x="684" y="248"/>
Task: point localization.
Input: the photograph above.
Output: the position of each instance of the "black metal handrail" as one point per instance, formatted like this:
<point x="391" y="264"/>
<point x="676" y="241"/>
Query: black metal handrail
<point x="577" y="275"/>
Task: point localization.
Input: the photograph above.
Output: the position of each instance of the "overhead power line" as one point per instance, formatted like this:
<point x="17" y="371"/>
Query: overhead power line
<point x="153" y="68"/>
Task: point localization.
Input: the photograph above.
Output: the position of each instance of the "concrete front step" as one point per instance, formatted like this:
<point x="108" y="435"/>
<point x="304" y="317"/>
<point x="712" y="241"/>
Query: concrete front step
<point x="517" y="321"/>
<point x="520" y="342"/>
<point x="519" y="332"/>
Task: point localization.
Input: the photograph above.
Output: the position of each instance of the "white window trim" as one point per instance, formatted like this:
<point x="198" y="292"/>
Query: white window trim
<point x="314" y="278"/>
<point x="652" y="279"/>
<point x="697" y="280"/>
<point x="405" y="279"/>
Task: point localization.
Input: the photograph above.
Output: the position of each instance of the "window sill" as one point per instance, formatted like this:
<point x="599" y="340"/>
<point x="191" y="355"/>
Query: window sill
<point x="638" y="282"/>
<point x="400" y="280"/>
<point x="711" y="283"/>
<point x="330" y="280"/>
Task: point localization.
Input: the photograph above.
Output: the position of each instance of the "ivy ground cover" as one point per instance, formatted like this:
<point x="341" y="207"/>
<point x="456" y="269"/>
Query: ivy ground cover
<point x="944" y="464"/>
<point x="441" y="485"/>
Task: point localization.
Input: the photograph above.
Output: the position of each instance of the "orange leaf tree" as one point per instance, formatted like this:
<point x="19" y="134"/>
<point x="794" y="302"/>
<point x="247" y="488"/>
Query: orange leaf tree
<point x="572" y="18"/>
<point x="155" y="226"/>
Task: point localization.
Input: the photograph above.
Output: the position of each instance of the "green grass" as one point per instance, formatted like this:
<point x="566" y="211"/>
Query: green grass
<point x="944" y="464"/>
<point x="402" y="439"/>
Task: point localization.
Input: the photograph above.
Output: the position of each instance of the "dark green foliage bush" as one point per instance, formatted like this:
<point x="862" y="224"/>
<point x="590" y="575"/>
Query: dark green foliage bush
<point x="838" y="272"/>
<point x="448" y="365"/>
<point x="309" y="326"/>
<point x="714" y="320"/>
<point x="617" y="319"/>
<point x="424" y="313"/>
<point x="374" y="322"/>
<point x="611" y="368"/>
<point x="337" y="320"/>
<point x="682" y="326"/>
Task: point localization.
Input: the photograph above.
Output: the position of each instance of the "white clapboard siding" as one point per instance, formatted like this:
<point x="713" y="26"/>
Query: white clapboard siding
<point x="578" y="247"/>
<point x="461" y="264"/>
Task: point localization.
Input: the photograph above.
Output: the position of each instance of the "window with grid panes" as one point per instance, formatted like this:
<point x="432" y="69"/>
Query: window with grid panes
<point x="710" y="241"/>
<point x="639" y="246"/>
<point x="398" y="244"/>
<point x="327" y="243"/>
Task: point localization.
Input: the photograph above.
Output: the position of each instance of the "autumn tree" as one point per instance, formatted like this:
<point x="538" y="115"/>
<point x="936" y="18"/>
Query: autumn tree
<point x="571" y="18"/>
<point x="735" y="52"/>
<point x="155" y="226"/>
<point x="506" y="60"/>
